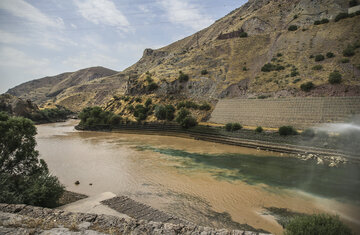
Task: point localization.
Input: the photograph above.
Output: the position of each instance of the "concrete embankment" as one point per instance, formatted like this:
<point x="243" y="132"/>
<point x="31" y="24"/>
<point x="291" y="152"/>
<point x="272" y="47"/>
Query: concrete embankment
<point x="23" y="219"/>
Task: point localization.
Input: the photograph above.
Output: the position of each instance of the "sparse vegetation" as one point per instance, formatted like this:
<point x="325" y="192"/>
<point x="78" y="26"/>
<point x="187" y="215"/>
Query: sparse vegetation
<point x="287" y="130"/>
<point x="204" y="72"/>
<point x="271" y="67"/>
<point x="233" y="126"/>
<point x="183" y="77"/>
<point x="319" y="58"/>
<point x="349" y="51"/>
<point x="318" y="224"/>
<point x="323" y="21"/>
<point x="259" y="129"/>
<point x="307" y="86"/>
<point x="317" y="67"/>
<point x="292" y="28"/>
<point x="341" y="16"/>
<point x="335" y="77"/>
<point x="330" y="55"/>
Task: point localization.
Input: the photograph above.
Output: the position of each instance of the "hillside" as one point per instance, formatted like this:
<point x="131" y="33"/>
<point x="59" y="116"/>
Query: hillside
<point x="222" y="63"/>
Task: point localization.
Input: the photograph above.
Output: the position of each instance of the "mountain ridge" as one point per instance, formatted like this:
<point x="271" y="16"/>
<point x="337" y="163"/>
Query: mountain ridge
<point x="232" y="66"/>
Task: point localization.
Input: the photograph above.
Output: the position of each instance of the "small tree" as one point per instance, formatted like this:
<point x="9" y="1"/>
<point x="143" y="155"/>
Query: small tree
<point x="204" y="72"/>
<point x="183" y="77"/>
<point x="259" y="129"/>
<point x="335" y="77"/>
<point x="236" y="127"/>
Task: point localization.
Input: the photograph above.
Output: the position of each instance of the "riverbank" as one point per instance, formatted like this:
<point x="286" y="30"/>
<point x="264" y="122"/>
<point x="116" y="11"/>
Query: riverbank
<point x="23" y="219"/>
<point x="325" y="149"/>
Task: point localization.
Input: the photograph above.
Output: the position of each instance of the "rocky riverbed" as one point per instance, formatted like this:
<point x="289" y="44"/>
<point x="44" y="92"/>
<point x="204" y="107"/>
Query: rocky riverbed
<point x="23" y="219"/>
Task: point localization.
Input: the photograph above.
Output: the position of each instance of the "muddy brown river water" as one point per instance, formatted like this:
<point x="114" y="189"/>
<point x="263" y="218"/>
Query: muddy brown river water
<point x="205" y="183"/>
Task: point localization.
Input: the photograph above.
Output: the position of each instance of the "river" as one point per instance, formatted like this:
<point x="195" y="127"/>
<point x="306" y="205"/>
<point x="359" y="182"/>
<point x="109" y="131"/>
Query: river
<point x="202" y="182"/>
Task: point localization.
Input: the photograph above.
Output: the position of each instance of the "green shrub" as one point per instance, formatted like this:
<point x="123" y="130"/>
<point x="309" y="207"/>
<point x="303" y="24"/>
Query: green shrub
<point x="233" y="127"/>
<point x="297" y="80"/>
<point x="204" y="72"/>
<point x="349" y="51"/>
<point x="148" y="102"/>
<point x="341" y="16"/>
<point x="149" y="79"/>
<point x="320" y="224"/>
<point x="330" y="55"/>
<point x="228" y="126"/>
<point x="335" y="77"/>
<point x="138" y="100"/>
<point x="287" y="130"/>
<point x="236" y="126"/>
<point x="307" y="86"/>
<point x="180" y="105"/>
<point x="271" y="67"/>
<point x="183" y="77"/>
<point x="131" y="108"/>
<point x="278" y="54"/>
<point x="319" y="58"/>
<point x="191" y="105"/>
<point x="140" y="112"/>
<point x="152" y="86"/>
<point x="205" y="106"/>
<point x="96" y="116"/>
<point x="344" y="60"/>
<point x="308" y="134"/>
<point x="294" y="73"/>
<point x="244" y="68"/>
<point x="185" y="119"/>
<point x="259" y="129"/>
<point x="243" y="34"/>
<point x="292" y="28"/>
<point x="115" y="120"/>
<point x="323" y="21"/>
<point x="317" y="67"/>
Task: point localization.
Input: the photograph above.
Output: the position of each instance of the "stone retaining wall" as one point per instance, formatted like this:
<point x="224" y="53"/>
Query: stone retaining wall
<point x="298" y="112"/>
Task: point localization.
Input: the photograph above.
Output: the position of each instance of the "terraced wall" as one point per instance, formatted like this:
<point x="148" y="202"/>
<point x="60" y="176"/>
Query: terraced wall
<point x="298" y="112"/>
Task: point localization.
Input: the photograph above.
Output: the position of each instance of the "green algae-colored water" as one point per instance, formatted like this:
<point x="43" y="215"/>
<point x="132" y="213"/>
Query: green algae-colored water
<point x="341" y="182"/>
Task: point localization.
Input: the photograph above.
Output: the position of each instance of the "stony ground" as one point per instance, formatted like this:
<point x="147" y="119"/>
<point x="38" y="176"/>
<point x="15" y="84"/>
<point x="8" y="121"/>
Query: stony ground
<point x="23" y="219"/>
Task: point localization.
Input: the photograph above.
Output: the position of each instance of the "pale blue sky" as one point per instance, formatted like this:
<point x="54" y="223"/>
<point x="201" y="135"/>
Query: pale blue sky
<point x="46" y="37"/>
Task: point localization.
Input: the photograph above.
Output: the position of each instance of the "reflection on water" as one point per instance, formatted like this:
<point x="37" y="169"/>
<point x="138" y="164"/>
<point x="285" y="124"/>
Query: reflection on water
<point x="207" y="183"/>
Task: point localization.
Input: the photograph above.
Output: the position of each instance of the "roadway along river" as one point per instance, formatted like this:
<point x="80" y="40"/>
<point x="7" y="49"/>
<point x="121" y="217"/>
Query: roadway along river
<point x="206" y="183"/>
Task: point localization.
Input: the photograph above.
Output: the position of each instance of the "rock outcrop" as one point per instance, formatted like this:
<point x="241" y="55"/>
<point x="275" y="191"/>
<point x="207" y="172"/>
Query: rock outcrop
<point x="23" y="219"/>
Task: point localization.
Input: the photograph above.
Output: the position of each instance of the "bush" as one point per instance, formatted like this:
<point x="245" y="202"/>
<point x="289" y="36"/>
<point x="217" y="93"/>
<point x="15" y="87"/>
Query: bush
<point x="180" y="105"/>
<point x="317" y="67"/>
<point x="308" y="134"/>
<point x="148" y="102"/>
<point x="185" y="119"/>
<point x="323" y="21"/>
<point x="205" y="106"/>
<point x="233" y="127"/>
<point x="330" y="55"/>
<point x="151" y="87"/>
<point x="149" y="79"/>
<point x="292" y="28"/>
<point x="320" y="224"/>
<point x="204" y="72"/>
<point x="183" y="77"/>
<point x="191" y="105"/>
<point x="96" y="116"/>
<point x="24" y="178"/>
<point x="278" y="54"/>
<point x="271" y="67"/>
<point x="138" y="100"/>
<point x="353" y="3"/>
<point x="341" y="16"/>
<point x="307" y="86"/>
<point x="344" y="60"/>
<point x="244" y="68"/>
<point x="335" y="77"/>
<point x="259" y="129"/>
<point x="287" y="130"/>
<point x="319" y="58"/>
<point x="294" y="73"/>
<point x="140" y="112"/>
<point x="349" y="51"/>
<point x="243" y="34"/>
<point x="228" y="126"/>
